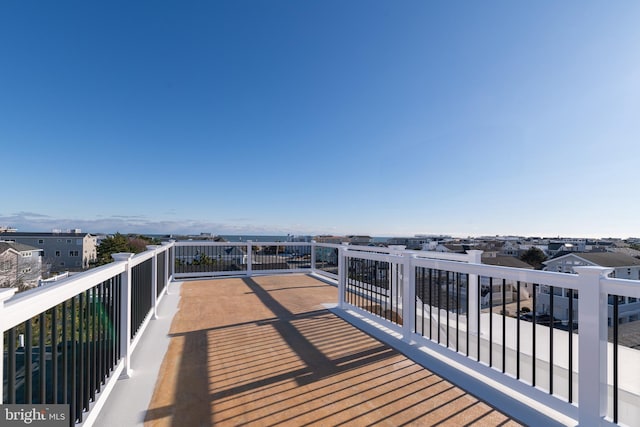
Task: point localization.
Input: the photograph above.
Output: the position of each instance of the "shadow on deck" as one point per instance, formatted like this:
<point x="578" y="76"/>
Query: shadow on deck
<point x="264" y="351"/>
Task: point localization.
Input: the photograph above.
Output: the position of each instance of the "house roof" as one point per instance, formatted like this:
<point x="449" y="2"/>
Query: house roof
<point x="12" y="235"/>
<point x="604" y="259"/>
<point x="610" y="259"/>
<point x="19" y="247"/>
<point x="506" y="261"/>
<point x="4" y="247"/>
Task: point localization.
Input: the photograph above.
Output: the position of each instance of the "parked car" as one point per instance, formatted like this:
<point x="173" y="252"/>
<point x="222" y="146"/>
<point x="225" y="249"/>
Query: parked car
<point x="541" y="319"/>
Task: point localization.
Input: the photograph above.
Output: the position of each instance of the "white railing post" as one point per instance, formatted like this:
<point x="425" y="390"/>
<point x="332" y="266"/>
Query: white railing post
<point x="313" y="256"/>
<point x="167" y="262"/>
<point x="475" y="257"/>
<point x="396" y="265"/>
<point x="125" y="313"/>
<point x="172" y="266"/>
<point x="154" y="280"/>
<point x="592" y="345"/>
<point x="408" y="297"/>
<point x="249" y="258"/>
<point x="342" y="274"/>
<point x="5" y="294"/>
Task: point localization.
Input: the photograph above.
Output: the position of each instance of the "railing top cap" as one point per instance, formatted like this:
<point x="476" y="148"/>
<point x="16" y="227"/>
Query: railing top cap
<point x="122" y="256"/>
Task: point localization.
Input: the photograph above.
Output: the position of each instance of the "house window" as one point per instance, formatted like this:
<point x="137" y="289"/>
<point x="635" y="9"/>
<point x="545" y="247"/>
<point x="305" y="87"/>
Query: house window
<point x="68" y="240"/>
<point x="57" y="253"/>
<point x="73" y="253"/>
<point x="26" y="254"/>
<point x="40" y="241"/>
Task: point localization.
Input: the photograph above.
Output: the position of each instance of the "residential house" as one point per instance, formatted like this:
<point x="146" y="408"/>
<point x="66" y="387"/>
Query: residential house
<point x="331" y="239"/>
<point x="20" y="265"/>
<point x="624" y="267"/>
<point x="72" y="251"/>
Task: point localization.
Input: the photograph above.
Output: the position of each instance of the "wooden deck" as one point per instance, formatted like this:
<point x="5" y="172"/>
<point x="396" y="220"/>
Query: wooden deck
<point x="264" y="351"/>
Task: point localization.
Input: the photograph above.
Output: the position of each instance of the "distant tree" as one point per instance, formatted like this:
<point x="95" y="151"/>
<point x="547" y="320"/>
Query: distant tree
<point x="202" y="259"/>
<point x="121" y="243"/>
<point x="534" y="257"/>
<point x="139" y="243"/>
<point x="111" y="245"/>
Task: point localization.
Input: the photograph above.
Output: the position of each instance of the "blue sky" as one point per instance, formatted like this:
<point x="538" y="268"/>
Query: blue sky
<point x="373" y="117"/>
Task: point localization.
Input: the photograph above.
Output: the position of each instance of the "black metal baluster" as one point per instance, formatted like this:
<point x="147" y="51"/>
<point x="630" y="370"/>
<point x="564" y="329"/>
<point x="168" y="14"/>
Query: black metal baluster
<point x="42" y="358"/>
<point x="490" y="321"/>
<point x="570" y="376"/>
<point x="28" y="358"/>
<point x="467" y="310"/>
<point x="81" y="361"/>
<point x="551" y="327"/>
<point x="439" y="303"/>
<point x="94" y="344"/>
<point x="415" y="302"/>
<point x="457" y="282"/>
<point x="518" y="308"/>
<point x="431" y="304"/>
<point x="615" y="321"/>
<point x="504" y="325"/>
<point x="533" y="336"/>
<point x="11" y="367"/>
<point x="54" y="354"/>
<point x="479" y="306"/>
<point x="448" y="278"/>
<point x="65" y="354"/>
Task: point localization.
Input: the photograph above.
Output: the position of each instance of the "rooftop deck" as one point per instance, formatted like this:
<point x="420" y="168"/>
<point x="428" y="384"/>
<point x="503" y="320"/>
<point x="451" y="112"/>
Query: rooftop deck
<point x="265" y="351"/>
<point x="386" y="336"/>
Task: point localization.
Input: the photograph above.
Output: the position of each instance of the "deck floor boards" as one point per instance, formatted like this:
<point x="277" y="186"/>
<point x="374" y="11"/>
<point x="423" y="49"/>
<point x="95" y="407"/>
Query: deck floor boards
<point x="263" y="351"/>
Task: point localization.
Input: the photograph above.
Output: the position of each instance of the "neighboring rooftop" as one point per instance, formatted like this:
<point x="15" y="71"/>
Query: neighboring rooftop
<point x="505" y="261"/>
<point x="12" y="234"/>
<point x="605" y="259"/>
<point x="16" y="246"/>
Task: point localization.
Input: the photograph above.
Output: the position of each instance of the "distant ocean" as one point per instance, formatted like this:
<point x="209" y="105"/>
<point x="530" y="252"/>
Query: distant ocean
<point x="254" y="238"/>
<point x="244" y="238"/>
<point x="237" y="238"/>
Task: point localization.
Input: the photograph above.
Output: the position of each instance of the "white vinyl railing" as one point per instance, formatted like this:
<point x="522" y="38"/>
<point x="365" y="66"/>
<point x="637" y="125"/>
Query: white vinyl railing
<point x="68" y="341"/>
<point x="575" y="370"/>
